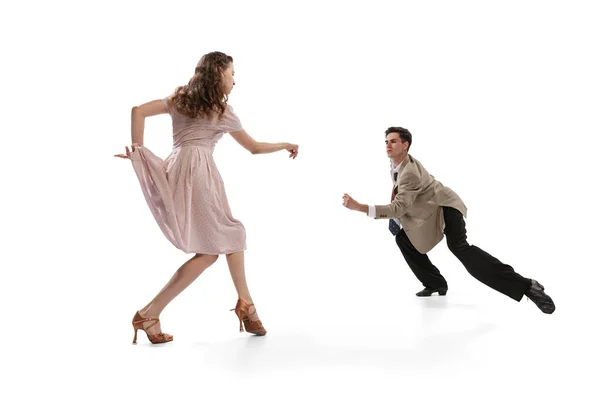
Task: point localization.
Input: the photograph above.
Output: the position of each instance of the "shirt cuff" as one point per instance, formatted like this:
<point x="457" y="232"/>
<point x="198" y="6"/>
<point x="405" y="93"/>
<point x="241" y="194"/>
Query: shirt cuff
<point x="371" y="212"/>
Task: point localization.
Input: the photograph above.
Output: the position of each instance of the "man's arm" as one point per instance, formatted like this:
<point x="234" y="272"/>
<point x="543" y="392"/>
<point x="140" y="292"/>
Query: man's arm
<point x="408" y="189"/>
<point x="352" y="204"/>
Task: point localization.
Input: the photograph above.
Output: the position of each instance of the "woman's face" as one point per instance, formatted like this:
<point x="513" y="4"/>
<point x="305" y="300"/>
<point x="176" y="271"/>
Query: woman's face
<point x="228" y="80"/>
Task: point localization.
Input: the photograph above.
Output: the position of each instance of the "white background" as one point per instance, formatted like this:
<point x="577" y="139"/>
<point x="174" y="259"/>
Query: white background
<point x="502" y="100"/>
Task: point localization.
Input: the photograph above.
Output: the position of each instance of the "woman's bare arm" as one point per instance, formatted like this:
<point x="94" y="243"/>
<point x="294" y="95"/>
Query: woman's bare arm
<point x="254" y="147"/>
<point x="138" y="117"/>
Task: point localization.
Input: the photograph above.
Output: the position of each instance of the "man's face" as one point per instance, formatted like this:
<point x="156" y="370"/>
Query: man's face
<point x="394" y="145"/>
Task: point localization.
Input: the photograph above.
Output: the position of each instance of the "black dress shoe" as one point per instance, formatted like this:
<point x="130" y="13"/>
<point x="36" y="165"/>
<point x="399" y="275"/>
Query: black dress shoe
<point x="541" y="299"/>
<point x="429" y="291"/>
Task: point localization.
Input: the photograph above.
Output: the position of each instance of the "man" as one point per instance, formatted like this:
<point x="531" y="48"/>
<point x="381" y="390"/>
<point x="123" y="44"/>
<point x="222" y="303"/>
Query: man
<point x="422" y="211"/>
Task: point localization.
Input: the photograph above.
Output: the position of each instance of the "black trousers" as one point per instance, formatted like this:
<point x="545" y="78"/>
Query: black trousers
<point x="484" y="267"/>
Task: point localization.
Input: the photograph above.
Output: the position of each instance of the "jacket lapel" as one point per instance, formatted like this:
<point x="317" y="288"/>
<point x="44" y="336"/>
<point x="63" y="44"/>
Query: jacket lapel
<point x="402" y="165"/>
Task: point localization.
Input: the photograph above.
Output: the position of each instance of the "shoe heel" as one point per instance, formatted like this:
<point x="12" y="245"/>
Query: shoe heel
<point x="134" y="336"/>
<point x="442" y="292"/>
<point x="240" y="318"/>
<point x="241" y="325"/>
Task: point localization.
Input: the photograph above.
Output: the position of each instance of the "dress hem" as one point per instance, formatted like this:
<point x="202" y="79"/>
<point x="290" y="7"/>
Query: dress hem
<point x="212" y="253"/>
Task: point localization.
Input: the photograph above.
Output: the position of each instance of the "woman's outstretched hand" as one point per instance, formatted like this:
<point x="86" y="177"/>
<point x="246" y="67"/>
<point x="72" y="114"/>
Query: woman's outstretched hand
<point x="293" y="149"/>
<point x="127" y="153"/>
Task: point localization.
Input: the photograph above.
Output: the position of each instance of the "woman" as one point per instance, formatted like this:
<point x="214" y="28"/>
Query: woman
<point x="185" y="192"/>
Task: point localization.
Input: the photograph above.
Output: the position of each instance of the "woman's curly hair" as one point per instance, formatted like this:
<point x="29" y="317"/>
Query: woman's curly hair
<point x="204" y="93"/>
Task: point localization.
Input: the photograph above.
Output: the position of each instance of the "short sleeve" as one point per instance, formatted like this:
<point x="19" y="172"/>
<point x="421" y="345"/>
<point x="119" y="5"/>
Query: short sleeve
<point x="167" y="103"/>
<point x="230" y="121"/>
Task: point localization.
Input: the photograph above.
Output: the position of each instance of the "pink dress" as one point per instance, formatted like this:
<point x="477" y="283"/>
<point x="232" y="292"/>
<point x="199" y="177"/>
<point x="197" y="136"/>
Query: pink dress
<point x="185" y="192"/>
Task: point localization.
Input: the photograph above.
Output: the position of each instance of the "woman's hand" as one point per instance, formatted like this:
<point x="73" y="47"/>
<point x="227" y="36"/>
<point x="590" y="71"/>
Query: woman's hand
<point x="293" y="149"/>
<point x="127" y="153"/>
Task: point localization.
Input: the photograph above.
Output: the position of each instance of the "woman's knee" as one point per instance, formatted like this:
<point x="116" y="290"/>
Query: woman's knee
<point x="208" y="258"/>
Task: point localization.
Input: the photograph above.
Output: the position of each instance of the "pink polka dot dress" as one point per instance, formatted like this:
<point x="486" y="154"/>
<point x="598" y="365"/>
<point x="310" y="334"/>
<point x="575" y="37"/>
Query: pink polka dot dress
<point x="185" y="192"/>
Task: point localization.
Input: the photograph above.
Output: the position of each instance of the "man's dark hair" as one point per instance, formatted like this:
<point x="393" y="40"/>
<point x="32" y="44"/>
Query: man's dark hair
<point x="405" y="135"/>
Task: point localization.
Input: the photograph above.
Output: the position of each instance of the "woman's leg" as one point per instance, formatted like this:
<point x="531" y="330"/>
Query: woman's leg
<point x="238" y="275"/>
<point x="185" y="275"/>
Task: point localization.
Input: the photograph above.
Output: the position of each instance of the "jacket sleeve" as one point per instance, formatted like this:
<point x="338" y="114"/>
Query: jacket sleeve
<point x="409" y="188"/>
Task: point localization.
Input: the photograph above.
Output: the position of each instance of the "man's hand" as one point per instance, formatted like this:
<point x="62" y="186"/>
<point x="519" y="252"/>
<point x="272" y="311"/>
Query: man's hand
<point x="350" y="203"/>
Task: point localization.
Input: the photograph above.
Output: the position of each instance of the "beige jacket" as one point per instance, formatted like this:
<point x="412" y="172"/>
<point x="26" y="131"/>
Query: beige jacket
<point x="418" y="205"/>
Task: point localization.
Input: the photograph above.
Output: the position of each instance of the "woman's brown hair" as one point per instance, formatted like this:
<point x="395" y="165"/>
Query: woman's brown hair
<point x="204" y="93"/>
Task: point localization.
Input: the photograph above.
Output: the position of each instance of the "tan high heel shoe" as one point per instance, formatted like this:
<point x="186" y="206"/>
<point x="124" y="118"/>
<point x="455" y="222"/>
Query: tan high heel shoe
<point x="242" y="311"/>
<point x="138" y="323"/>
